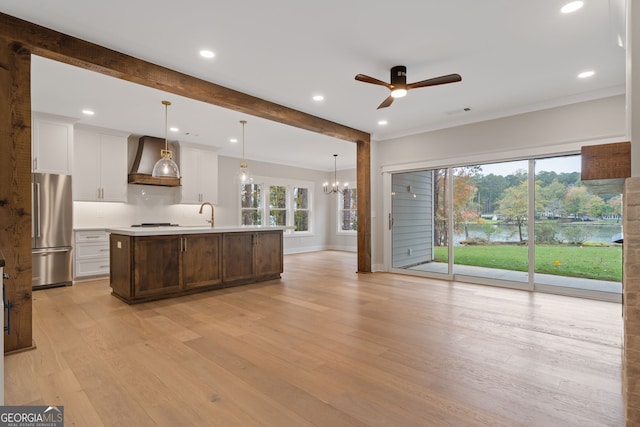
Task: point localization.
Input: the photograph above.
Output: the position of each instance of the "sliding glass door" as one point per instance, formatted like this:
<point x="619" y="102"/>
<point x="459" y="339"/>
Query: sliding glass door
<point x="529" y="224"/>
<point x="576" y="231"/>
<point x="490" y="215"/>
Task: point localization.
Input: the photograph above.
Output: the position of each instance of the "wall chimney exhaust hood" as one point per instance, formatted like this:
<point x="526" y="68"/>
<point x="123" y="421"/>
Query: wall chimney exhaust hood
<point x="147" y="155"/>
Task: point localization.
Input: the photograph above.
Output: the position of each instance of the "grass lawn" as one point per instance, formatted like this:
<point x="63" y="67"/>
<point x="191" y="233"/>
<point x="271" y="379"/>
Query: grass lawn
<point x="598" y="262"/>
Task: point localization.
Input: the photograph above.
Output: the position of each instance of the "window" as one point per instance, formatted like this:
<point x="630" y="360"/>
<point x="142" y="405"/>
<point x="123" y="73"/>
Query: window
<point x="347" y="211"/>
<point x="251" y="204"/>
<point x="277" y="205"/>
<point x="285" y="204"/>
<point x="301" y="208"/>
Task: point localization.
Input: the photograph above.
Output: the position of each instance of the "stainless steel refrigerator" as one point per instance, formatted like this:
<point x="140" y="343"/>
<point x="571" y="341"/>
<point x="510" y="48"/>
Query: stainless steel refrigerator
<point x="52" y="230"/>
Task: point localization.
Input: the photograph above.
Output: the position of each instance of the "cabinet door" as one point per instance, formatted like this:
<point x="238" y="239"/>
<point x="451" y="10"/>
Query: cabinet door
<point x="237" y="263"/>
<point x="52" y="145"/>
<point x="209" y="176"/>
<point x="86" y="166"/>
<point x="190" y="173"/>
<point x="156" y="266"/>
<point x="199" y="172"/>
<point x="268" y="253"/>
<point x="113" y="168"/>
<point x="201" y="260"/>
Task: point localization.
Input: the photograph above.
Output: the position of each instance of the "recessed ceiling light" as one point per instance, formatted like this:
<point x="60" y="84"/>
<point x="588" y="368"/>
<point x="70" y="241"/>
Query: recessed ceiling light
<point x="318" y="98"/>
<point x="586" y="74"/>
<point x="572" y="7"/>
<point x="233" y="140"/>
<point x="174" y="129"/>
<point x="88" y="112"/>
<point x="207" y="54"/>
<point x="382" y="122"/>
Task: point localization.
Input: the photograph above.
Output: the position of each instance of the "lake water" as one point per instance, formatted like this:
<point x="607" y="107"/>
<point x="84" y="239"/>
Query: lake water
<point x="595" y="232"/>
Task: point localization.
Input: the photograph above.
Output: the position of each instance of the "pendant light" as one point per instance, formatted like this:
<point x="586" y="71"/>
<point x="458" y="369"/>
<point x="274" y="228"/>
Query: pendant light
<point x="243" y="175"/>
<point x="335" y="187"/>
<point x="165" y="167"/>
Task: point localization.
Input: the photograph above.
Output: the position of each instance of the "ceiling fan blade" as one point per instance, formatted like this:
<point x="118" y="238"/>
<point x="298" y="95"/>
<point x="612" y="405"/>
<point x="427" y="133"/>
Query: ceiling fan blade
<point x="449" y="78"/>
<point x="386" y="102"/>
<point x="367" y="79"/>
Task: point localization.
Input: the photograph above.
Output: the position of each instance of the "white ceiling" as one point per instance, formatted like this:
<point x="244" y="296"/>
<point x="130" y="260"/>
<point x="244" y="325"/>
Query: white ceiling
<point x="514" y="57"/>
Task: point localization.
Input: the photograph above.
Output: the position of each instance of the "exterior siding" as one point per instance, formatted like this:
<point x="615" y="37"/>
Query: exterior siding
<point x="412" y="214"/>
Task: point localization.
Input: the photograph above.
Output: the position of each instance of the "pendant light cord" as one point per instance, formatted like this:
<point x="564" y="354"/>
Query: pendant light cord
<point x="166" y="120"/>
<point x="244" y="163"/>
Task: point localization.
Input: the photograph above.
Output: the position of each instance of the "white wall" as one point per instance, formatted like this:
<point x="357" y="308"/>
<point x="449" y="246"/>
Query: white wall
<point x="546" y="132"/>
<point x="146" y="203"/>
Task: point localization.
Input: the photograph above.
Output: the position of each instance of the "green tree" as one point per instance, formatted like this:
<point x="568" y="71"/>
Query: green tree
<point x="464" y="190"/>
<point x="615" y="206"/>
<point x="515" y="205"/>
<point x="440" y="207"/>
<point x="575" y="201"/>
<point x="490" y="189"/>
<point x="569" y="178"/>
<point x="463" y="195"/>
<point x="596" y="207"/>
<point x="551" y="196"/>
<point x="546" y="177"/>
<point x="517" y="178"/>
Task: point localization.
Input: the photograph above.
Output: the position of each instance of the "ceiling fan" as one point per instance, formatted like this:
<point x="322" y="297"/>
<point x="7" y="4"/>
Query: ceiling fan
<point x="399" y="86"/>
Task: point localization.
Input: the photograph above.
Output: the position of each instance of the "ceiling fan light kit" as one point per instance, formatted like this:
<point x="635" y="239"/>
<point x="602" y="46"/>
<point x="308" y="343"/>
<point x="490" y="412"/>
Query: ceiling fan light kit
<point x="398" y="83"/>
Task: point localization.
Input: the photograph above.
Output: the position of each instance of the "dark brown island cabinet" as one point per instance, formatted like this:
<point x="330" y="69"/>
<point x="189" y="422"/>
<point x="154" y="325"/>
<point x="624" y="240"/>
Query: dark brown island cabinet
<point x="147" y="266"/>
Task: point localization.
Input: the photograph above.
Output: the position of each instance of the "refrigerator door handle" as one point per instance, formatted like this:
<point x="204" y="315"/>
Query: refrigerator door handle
<point x="49" y="250"/>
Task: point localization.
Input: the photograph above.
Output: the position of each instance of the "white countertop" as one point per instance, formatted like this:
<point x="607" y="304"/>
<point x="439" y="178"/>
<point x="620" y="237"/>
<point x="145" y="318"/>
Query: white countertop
<point x="185" y="229"/>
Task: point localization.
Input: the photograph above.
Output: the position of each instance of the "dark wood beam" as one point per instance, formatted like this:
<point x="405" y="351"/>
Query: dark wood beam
<point x="64" y="48"/>
<point x="363" y="176"/>
<point x="15" y="188"/>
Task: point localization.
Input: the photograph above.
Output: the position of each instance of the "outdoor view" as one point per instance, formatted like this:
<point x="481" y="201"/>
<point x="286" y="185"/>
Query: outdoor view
<point x="574" y="230"/>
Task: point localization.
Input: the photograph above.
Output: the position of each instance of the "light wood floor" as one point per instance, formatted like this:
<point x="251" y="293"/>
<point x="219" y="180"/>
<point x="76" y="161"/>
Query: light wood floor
<point x="324" y="346"/>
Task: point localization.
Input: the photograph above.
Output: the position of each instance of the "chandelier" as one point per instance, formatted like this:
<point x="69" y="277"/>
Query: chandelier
<point x="335" y="186"/>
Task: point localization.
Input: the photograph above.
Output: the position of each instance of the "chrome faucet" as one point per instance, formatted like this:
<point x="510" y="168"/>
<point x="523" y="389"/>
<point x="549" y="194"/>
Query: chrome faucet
<point x="200" y="212"/>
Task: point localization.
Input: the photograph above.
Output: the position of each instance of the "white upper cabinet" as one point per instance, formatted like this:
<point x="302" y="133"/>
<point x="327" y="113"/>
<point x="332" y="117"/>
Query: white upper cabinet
<point x="199" y="171"/>
<point x="100" y="166"/>
<point x="52" y="144"/>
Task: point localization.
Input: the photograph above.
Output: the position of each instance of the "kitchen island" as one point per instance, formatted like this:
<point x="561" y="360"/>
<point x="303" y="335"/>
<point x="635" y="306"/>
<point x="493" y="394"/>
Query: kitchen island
<point x="164" y="262"/>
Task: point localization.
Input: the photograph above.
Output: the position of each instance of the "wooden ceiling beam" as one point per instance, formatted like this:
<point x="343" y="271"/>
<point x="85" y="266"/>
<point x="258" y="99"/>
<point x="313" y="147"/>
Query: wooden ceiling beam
<point x="71" y="50"/>
<point x="61" y="47"/>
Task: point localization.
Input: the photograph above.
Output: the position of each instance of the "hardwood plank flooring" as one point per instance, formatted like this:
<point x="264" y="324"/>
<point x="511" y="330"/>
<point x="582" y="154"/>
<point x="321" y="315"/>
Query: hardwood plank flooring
<point x="324" y="346"/>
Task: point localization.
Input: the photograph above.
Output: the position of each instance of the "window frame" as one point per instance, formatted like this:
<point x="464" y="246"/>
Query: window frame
<point x="265" y="184"/>
<point x="307" y="209"/>
<point x="258" y="209"/>
<point x="339" y="210"/>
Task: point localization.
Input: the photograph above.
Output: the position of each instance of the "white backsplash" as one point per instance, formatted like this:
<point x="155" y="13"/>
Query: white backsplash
<point x="146" y="203"/>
